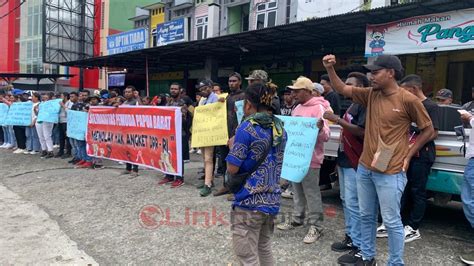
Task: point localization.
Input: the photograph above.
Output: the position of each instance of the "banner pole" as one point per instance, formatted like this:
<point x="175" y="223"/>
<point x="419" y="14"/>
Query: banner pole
<point x="147" y="82"/>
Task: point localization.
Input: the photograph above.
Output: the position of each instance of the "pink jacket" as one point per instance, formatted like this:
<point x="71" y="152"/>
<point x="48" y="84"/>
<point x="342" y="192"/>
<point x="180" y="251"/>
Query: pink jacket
<point x="316" y="108"/>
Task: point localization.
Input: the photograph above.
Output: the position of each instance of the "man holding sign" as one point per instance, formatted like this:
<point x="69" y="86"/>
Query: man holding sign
<point x="307" y="192"/>
<point x="205" y="88"/>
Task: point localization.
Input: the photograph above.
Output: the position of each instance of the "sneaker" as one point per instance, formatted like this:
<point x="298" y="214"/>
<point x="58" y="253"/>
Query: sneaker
<point x="199" y="151"/>
<point x="177" y="183"/>
<point x="230" y="197"/>
<point x="133" y="175"/>
<point x="85" y="165"/>
<point x="221" y="191"/>
<point x="411" y="234"/>
<point x="203" y="185"/>
<point x="27" y="152"/>
<point x="74" y="161"/>
<point x="165" y="180"/>
<point x="79" y="162"/>
<point x="97" y="166"/>
<point x="287" y="225"/>
<point x="48" y="155"/>
<point x="362" y="262"/>
<point x="192" y="150"/>
<point x="58" y="155"/>
<point x="18" y="151"/>
<point x="313" y="235"/>
<point x="65" y="156"/>
<point x="382" y="231"/>
<point x="3" y="145"/>
<point x="56" y="146"/>
<point x="467" y="258"/>
<point x="43" y="153"/>
<point x="343" y="246"/>
<point x="9" y="146"/>
<point x="205" y="191"/>
<point x="287" y="194"/>
<point x="350" y="258"/>
<point x="33" y="152"/>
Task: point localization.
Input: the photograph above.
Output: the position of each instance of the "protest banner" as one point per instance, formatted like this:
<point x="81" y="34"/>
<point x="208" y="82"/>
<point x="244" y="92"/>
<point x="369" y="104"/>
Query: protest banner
<point x="210" y="125"/>
<point x="49" y="111"/>
<point x="240" y="110"/>
<point x="76" y="124"/>
<point x="302" y="135"/>
<point x="149" y="136"/>
<point x="19" y="114"/>
<point x="3" y="113"/>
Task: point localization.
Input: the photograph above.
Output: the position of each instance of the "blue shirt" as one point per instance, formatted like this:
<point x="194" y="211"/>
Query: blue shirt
<point x="261" y="191"/>
<point x="212" y="98"/>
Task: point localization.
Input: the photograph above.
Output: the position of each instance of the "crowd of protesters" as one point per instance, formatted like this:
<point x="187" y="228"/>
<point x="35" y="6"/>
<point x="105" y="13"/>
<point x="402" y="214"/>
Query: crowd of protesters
<point x="385" y="155"/>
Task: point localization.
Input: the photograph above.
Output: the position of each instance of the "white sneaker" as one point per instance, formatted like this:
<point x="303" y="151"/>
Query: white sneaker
<point x="33" y="152"/>
<point x="56" y="146"/>
<point x="287" y="194"/>
<point x="27" y="152"/>
<point x="199" y="151"/>
<point x="18" y="151"/>
<point x="313" y="235"/>
<point x="3" y="145"/>
<point x="9" y="146"/>
<point x="288" y="225"/>
<point x="382" y="231"/>
<point x="411" y="234"/>
<point x="192" y="151"/>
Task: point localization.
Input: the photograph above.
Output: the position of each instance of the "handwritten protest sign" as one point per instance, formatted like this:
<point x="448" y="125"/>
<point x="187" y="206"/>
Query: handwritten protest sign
<point x="302" y="135"/>
<point x="144" y="135"/>
<point x="240" y="110"/>
<point x="19" y="114"/>
<point x="76" y="124"/>
<point x="49" y="111"/>
<point x="210" y="125"/>
<point x="3" y="113"/>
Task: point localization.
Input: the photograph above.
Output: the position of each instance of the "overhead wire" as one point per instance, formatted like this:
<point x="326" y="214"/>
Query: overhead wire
<point x="13" y="10"/>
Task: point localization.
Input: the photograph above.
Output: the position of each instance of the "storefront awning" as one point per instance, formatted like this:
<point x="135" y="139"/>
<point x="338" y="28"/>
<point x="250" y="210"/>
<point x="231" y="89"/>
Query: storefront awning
<point x="343" y="33"/>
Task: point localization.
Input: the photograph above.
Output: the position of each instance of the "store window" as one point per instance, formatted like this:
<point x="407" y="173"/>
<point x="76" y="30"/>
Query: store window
<point x="201" y="28"/>
<point x="266" y="15"/>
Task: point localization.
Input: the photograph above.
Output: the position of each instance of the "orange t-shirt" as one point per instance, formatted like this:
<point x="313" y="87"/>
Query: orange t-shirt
<point x="389" y="117"/>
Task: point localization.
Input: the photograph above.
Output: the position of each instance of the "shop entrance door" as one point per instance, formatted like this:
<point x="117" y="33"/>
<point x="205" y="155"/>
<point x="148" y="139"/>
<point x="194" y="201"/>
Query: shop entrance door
<point x="461" y="81"/>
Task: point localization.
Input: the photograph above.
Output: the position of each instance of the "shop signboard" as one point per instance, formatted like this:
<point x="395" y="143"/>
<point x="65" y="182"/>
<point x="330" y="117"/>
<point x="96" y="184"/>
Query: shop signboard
<point x="172" y="32"/>
<point x="127" y="41"/>
<point x="447" y="31"/>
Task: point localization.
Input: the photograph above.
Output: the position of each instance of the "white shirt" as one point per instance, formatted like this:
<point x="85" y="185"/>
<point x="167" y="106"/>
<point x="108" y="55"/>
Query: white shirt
<point x="63" y="112"/>
<point x="470" y="148"/>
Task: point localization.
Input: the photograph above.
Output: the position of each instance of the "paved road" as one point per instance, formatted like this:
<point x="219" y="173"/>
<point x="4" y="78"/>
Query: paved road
<point x="53" y="214"/>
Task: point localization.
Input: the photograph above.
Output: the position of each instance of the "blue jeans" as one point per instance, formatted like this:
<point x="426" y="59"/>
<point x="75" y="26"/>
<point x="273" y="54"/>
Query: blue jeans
<point x="81" y="145"/>
<point x="32" y="139"/>
<point x="6" y="135"/>
<point x="74" y="148"/>
<point x="350" y="203"/>
<point x="374" y="188"/>
<point x="467" y="192"/>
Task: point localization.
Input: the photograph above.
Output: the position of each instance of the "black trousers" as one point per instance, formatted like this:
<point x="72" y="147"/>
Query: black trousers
<point x="222" y="152"/>
<point x="1" y="134"/>
<point x="20" y="135"/>
<point x="130" y="166"/>
<point x="63" y="139"/>
<point x="414" y="197"/>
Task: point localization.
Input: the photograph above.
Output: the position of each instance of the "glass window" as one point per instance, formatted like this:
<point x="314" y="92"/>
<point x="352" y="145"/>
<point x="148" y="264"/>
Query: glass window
<point x="272" y="4"/>
<point x="261" y="21"/>
<point x="261" y="7"/>
<point x="199" y="33"/>
<point x="271" y="19"/>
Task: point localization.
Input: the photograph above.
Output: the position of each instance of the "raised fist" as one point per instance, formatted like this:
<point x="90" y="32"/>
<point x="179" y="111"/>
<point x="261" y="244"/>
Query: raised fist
<point x="329" y="60"/>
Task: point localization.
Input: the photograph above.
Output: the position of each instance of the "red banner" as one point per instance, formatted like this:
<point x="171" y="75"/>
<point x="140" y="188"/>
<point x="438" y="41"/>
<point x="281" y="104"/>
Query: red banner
<point x="144" y="135"/>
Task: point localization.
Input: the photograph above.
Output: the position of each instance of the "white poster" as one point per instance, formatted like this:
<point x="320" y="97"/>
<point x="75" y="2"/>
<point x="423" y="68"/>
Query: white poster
<point x="430" y="33"/>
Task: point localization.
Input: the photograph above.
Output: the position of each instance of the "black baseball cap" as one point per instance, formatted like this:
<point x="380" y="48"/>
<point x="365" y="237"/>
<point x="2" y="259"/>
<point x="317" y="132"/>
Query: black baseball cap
<point x="385" y="62"/>
<point x="444" y="94"/>
<point x="204" y="83"/>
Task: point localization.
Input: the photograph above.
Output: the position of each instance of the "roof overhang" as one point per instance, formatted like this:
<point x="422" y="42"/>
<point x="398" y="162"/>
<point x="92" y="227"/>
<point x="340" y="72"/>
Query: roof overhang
<point x="154" y="6"/>
<point x="343" y="33"/>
